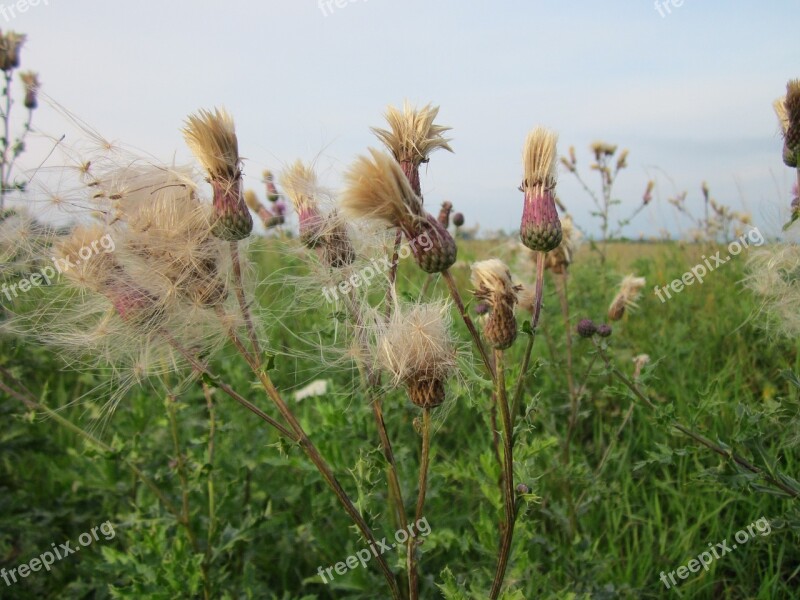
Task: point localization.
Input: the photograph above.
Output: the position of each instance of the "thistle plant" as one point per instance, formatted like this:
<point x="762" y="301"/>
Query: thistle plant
<point x="11" y="44"/>
<point x="788" y="110"/>
<point x="608" y="163"/>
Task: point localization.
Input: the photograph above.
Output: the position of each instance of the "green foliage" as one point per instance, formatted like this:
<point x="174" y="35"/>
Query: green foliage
<point x="260" y="521"/>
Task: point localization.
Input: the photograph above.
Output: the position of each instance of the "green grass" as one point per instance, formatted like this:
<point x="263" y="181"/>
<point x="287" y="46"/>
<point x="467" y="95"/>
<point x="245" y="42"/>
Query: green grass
<point x="658" y="502"/>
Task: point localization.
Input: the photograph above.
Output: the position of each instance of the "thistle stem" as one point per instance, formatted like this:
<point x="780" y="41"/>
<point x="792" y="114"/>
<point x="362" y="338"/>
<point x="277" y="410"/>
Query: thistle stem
<point x="537" y="309"/>
<point x="300" y="435"/>
<point x="508" y="479"/>
<point x="413" y="577"/>
<point x="451" y="284"/>
<point x="212" y="507"/>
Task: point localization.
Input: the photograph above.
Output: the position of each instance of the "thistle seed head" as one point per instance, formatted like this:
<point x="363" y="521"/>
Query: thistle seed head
<point x="417" y="349"/>
<point x="541" y="227"/>
<point x="629" y="293"/>
<point x="378" y="189"/>
<point x="211" y="136"/>
<point x="10" y="44"/>
<point x="30" y="80"/>
<point x="493" y="285"/>
<point x="412" y="136"/>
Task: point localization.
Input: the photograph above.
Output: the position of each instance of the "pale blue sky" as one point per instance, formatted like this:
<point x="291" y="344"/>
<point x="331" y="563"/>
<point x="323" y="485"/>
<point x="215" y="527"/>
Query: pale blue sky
<point x="689" y="93"/>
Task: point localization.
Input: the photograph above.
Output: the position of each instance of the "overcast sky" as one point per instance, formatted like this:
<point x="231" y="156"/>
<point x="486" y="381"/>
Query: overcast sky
<point x="689" y="92"/>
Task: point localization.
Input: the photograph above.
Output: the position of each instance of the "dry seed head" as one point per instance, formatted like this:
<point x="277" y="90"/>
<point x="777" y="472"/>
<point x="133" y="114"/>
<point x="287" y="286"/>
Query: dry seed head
<point x="378" y="189"/>
<point x="211" y="136"/>
<point x="334" y="243"/>
<point x="774" y="276"/>
<point x="412" y="134"/>
<point x="639" y="361"/>
<point x="300" y="183"/>
<point x="10" y="44"/>
<point x="30" y="80"/>
<point x="492" y="282"/>
<point x="541" y="227"/>
<point x="539" y="159"/>
<point x="629" y="293"/>
<point x="416" y="347"/>
<point x="526" y="297"/>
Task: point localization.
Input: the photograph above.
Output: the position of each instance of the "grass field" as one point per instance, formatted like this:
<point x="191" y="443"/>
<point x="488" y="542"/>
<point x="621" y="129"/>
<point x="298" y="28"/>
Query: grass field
<point x="628" y="498"/>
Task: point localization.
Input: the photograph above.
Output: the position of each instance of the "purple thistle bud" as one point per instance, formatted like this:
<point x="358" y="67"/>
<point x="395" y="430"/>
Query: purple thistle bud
<point x="586" y="328"/>
<point x="604" y="330"/>
<point x="458" y="219"/>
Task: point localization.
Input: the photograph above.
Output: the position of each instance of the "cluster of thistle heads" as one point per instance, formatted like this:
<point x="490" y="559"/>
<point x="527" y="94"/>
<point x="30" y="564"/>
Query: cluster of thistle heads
<point x="168" y="282"/>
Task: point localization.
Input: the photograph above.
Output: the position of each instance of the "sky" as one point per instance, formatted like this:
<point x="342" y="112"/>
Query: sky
<point x="688" y="89"/>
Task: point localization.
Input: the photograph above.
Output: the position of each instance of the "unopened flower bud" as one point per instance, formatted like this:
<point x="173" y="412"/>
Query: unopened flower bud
<point x="586" y="328"/>
<point x="604" y="330"/>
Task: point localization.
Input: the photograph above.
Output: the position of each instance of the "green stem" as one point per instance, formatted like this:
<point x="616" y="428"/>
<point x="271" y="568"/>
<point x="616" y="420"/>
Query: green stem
<point x="508" y="480"/>
<point x="413" y="576"/>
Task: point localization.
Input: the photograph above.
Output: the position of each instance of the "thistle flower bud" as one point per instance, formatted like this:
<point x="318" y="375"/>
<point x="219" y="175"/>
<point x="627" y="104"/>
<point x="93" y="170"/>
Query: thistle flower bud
<point x="791" y="152"/>
<point x="541" y="227"/>
<point x="627" y="296"/>
<point x="411" y="138"/>
<point x="493" y="285"/>
<point x="604" y="330"/>
<point x="378" y="189"/>
<point x="211" y="136"/>
<point x="272" y="191"/>
<point x="444" y="214"/>
<point x="586" y="328"/>
<point x="523" y="489"/>
<point x="647" y="198"/>
<point x="268" y="218"/>
<point x="301" y="186"/>
<point x="416" y="347"/>
<point x="10" y="44"/>
<point x="31" y="82"/>
<point x="458" y="219"/>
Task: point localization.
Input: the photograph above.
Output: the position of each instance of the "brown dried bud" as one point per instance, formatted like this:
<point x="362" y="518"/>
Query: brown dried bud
<point x="426" y="392"/>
